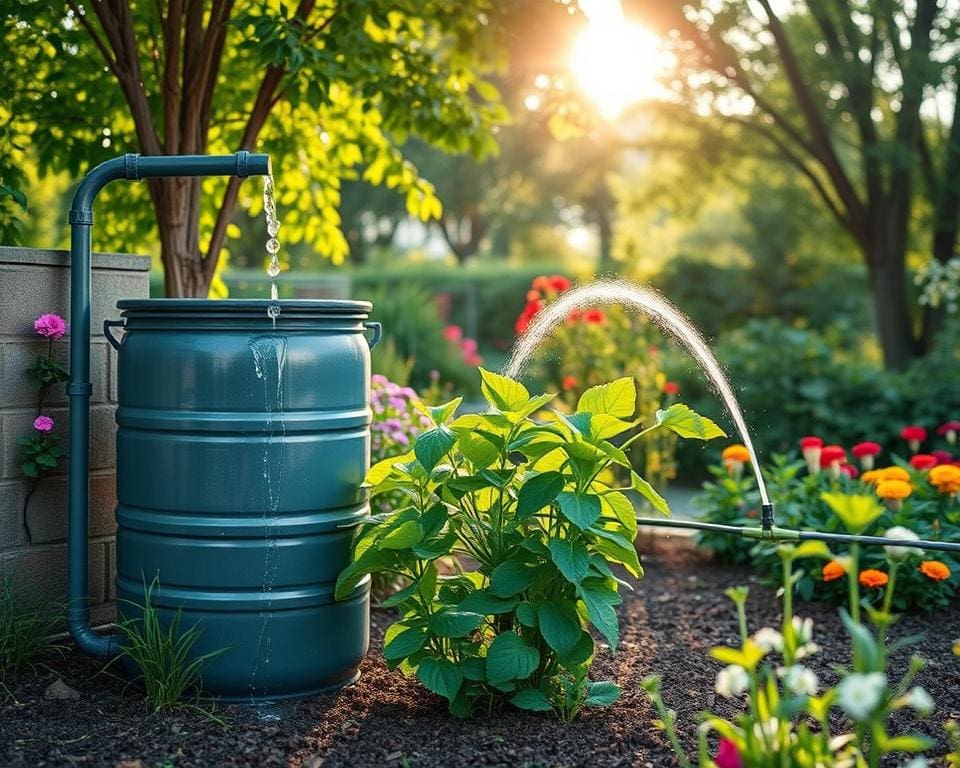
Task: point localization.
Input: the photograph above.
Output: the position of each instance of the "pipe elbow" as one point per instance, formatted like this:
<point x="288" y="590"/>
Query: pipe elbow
<point x="105" y="646"/>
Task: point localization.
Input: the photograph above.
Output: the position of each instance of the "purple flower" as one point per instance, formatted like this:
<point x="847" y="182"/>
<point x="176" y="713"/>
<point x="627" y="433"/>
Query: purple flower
<point x="50" y="326"/>
<point x="43" y="424"/>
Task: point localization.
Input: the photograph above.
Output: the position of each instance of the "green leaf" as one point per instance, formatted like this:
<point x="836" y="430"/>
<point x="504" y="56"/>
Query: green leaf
<point x="405" y="644"/>
<point x="621" y="508"/>
<point x="856" y="511"/>
<point x="533" y="405"/>
<point x="510" y="578"/>
<point x="618" y="398"/>
<point x="601" y="694"/>
<point x="603" y="426"/>
<point x="381" y="470"/>
<point x="509" y="658"/>
<point x="438" y="414"/>
<point x="582" y="652"/>
<point x="404" y="536"/>
<point x="559" y="624"/>
<point x="600" y="600"/>
<point x="581" y="509"/>
<point x="370" y="561"/>
<point x="747" y="657"/>
<point x="455" y="623"/>
<point x="440" y="676"/>
<point x="434" y="548"/>
<point x="617" y="549"/>
<point x="538" y="492"/>
<point x="433" y="445"/>
<point x="688" y="423"/>
<point x="527" y="614"/>
<point x="531" y="699"/>
<point x="483" y="602"/>
<point x="650" y="494"/>
<point x="502" y="393"/>
<point x="478" y="450"/>
<point x="571" y="559"/>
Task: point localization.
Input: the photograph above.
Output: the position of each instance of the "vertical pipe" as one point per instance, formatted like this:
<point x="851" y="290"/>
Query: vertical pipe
<point x="130" y="167"/>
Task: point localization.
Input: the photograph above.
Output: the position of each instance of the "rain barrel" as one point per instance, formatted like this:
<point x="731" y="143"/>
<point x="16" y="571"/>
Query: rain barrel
<point x="242" y="445"/>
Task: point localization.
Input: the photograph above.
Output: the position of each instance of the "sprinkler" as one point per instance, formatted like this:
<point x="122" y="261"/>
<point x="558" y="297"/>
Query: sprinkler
<point x="129" y="167"/>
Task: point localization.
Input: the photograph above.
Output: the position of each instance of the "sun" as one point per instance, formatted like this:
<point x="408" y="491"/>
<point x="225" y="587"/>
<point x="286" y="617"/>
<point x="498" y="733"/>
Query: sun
<point x="617" y="62"/>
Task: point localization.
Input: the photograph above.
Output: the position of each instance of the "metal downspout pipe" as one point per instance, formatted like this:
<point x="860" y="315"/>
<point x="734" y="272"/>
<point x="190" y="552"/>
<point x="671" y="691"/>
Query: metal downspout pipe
<point x="129" y="167"/>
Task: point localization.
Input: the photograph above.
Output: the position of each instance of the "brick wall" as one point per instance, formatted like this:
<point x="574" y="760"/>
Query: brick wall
<point x="33" y="282"/>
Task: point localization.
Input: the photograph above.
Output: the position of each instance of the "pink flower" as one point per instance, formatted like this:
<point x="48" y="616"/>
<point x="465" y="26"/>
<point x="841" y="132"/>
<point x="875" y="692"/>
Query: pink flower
<point x="50" y="326"/>
<point x="452" y="333"/>
<point x="43" y="424"/>
<point x="727" y="755"/>
<point x="469" y="346"/>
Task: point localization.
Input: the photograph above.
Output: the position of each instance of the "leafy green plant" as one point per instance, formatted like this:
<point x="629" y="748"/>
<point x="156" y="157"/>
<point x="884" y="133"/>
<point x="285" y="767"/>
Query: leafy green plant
<point x="25" y="629"/>
<point x="787" y="719"/>
<point x="525" y="513"/>
<point x="162" y="653"/>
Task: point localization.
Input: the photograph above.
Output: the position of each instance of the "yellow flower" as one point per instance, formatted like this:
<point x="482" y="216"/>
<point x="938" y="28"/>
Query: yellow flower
<point x="894" y="490"/>
<point x="895" y="473"/>
<point x="872" y="477"/>
<point x="945" y="477"/>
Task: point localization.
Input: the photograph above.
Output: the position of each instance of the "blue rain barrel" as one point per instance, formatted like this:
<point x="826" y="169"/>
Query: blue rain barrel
<point x="242" y="444"/>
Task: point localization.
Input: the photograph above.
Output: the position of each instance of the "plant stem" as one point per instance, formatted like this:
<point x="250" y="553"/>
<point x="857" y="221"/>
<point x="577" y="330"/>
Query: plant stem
<point x="854" y="583"/>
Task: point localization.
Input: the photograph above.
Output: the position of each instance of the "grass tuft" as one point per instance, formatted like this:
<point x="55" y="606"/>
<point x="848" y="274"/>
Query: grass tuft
<point x="25" y="629"/>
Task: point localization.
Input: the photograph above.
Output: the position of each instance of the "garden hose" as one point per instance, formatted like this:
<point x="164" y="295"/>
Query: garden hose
<point x="774" y="533"/>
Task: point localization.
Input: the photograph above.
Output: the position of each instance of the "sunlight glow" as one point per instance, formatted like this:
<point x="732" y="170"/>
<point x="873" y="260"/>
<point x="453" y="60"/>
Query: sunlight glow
<point x="616" y="62"/>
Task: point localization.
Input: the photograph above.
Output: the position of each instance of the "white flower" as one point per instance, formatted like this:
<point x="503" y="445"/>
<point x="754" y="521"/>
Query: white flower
<point x="920" y="700"/>
<point x="897" y="554"/>
<point x="917" y="762"/>
<point x="859" y="694"/>
<point x="732" y="681"/>
<point x="768" y="732"/>
<point x="803" y="629"/>
<point x="769" y="639"/>
<point x="799" y="679"/>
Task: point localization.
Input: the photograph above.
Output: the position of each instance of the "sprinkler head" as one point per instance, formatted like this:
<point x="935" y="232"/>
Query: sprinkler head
<point x="766" y="517"/>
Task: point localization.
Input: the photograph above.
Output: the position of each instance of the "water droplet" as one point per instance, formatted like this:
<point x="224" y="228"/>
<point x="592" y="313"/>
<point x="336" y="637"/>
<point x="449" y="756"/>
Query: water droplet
<point x="272" y="228"/>
<point x="273" y="246"/>
<point x="274" y="269"/>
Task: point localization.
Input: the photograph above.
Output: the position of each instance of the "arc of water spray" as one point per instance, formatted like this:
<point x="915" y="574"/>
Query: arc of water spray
<point x="670" y="319"/>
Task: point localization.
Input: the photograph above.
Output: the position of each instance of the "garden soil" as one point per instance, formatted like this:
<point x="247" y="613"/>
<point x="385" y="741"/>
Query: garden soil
<point x="676" y="613"/>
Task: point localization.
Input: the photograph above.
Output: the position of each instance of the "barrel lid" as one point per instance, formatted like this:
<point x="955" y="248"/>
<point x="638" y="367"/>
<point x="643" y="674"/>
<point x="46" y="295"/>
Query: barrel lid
<point x="322" y="306"/>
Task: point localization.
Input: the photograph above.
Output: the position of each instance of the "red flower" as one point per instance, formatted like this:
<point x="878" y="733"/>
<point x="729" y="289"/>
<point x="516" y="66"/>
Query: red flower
<point x="523" y="322"/>
<point x="594" y="316"/>
<point x="569" y="382"/>
<point x="452" y="333"/>
<point x="574" y="316"/>
<point x="948" y="426"/>
<point x="832" y="454"/>
<point x="727" y="755"/>
<point x="541" y="283"/>
<point x="671" y="388"/>
<point x="533" y="295"/>
<point x="922" y="461"/>
<point x="942" y="457"/>
<point x="559" y="283"/>
<point x="865" y="449"/>
<point x="533" y="307"/>
<point x="849" y="470"/>
<point x="810" y="442"/>
<point x="913" y="433"/>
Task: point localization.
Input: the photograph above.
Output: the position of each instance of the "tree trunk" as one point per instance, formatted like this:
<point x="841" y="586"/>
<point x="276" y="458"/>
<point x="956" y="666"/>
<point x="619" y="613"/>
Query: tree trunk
<point x="176" y="203"/>
<point x="889" y="297"/>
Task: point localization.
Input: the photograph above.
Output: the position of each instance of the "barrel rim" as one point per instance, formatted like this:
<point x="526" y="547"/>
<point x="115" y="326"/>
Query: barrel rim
<point x="321" y="306"/>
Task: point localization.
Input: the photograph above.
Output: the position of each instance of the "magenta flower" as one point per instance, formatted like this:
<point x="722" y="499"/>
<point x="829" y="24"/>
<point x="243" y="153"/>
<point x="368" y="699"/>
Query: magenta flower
<point x="43" y="424"/>
<point x="727" y="755"/>
<point x="50" y="326"/>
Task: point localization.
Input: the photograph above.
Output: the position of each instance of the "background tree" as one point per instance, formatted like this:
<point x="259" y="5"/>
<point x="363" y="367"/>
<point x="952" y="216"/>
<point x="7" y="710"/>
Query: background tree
<point x="327" y="87"/>
<point x="849" y="93"/>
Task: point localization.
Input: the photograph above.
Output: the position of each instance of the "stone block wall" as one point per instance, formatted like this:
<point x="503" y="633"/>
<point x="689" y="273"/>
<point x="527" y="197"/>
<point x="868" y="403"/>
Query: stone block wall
<point x="33" y="282"/>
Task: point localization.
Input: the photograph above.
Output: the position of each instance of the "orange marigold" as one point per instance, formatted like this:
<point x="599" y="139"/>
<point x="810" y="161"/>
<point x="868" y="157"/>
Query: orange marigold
<point x="894" y="490"/>
<point x="946" y="478"/>
<point x="935" y="570"/>
<point x="895" y="473"/>
<point x="736" y="452"/>
<point x="872" y="476"/>
<point x="832" y="571"/>
<point x="873" y="579"/>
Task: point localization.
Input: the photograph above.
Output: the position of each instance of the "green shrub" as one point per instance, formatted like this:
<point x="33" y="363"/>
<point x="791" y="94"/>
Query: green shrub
<point x="163" y="656"/>
<point x="528" y="503"/>
<point x="25" y="628"/>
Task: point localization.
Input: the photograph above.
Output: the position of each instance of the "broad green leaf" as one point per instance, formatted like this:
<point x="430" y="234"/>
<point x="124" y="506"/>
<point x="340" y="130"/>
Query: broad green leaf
<point x="483" y="602"/>
<point x="478" y="450"/>
<point x="618" y="398"/>
<point x="600" y="600"/>
<point x="813" y="549"/>
<point x="405" y="644"/>
<point x="527" y="614"/>
<point x="571" y="559"/>
<point x="372" y="560"/>
<point x="502" y="393"/>
<point x="856" y="511"/>
<point x="538" y="492"/>
<point x="603" y="426"/>
<point x="531" y="699"/>
<point x="601" y="694"/>
<point x="474" y="668"/>
<point x="455" y="623"/>
<point x="650" y="494"/>
<point x="582" y="652"/>
<point x="581" y="509"/>
<point x="686" y="422"/>
<point x="747" y="657"/>
<point x="438" y="414"/>
<point x="440" y="676"/>
<point x="559" y="624"/>
<point x="381" y="470"/>
<point x="617" y="505"/>
<point x="433" y="548"/>
<point x="433" y="445"/>
<point x="532" y="405"/>
<point x="398" y="597"/>
<point x="509" y="658"/>
<point x="404" y="536"/>
<point x="510" y="578"/>
<point x="617" y="549"/>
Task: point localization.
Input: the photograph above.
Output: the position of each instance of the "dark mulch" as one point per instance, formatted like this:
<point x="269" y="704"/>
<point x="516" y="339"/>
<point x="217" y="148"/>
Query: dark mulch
<point x="676" y="614"/>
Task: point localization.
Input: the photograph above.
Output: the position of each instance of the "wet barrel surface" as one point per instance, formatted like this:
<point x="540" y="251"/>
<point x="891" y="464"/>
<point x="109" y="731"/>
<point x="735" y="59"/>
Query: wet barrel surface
<point x="241" y="449"/>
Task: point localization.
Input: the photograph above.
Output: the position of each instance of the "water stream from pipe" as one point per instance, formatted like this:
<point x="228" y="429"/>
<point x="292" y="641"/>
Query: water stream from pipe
<point x="273" y="245"/>
<point x="663" y="313"/>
